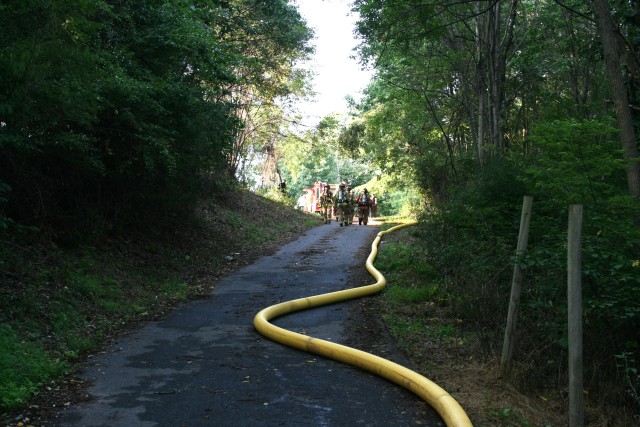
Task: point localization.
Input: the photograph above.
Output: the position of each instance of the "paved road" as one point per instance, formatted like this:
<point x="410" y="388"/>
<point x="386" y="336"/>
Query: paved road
<point x="205" y="365"/>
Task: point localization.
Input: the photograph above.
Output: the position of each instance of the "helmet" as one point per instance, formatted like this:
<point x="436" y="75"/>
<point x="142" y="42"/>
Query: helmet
<point x="365" y="190"/>
<point x="342" y="185"/>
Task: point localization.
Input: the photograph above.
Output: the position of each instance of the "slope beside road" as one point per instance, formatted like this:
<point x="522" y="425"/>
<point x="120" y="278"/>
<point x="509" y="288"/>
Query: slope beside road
<point x="204" y="364"/>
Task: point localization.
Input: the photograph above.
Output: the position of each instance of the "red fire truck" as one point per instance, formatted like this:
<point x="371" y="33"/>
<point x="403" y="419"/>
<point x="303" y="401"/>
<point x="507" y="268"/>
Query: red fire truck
<point x="309" y="201"/>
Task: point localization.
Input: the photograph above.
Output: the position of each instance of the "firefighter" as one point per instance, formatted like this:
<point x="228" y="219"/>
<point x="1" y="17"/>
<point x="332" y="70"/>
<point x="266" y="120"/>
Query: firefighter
<point x="374" y="206"/>
<point x="364" y="204"/>
<point x="326" y="203"/>
<point x="352" y="205"/>
<point x="341" y="204"/>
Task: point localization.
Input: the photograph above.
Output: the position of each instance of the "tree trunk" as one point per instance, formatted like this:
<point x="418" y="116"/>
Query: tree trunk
<point x="498" y="49"/>
<point x="607" y="30"/>
<point x="480" y="136"/>
<point x="495" y="78"/>
<point x="480" y="85"/>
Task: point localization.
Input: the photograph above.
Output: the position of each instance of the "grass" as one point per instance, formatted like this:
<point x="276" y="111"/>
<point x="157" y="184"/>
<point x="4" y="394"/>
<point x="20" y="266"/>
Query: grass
<point x="412" y="294"/>
<point x="24" y="366"/>
<point x="416" y="308"/>
<point x="62" y="312"/>
<point x="58" y="305"/>
<point x="509" y="417"/>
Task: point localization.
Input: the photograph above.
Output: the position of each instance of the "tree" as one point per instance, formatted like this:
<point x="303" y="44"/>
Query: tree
<point x="609" y="36"/>
<point x="114" y="111"/>
<point x="485" y="102"/>
<point x="263" y="72"/>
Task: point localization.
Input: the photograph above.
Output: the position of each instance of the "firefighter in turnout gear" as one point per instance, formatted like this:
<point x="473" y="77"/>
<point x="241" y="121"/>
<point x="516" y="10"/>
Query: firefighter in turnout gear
<point x="364" y="204"/>
<point x="374" y="206"/>
<point x="341" y="203"/>
<point x="352" y="205"/>
<point x="326" y="203"/>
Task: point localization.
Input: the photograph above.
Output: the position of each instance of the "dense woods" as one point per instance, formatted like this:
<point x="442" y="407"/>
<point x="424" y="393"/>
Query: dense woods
<point x="117" y="120"/>
<point x="114" y="112"/>
<point x="114" y="109"/>
<point x="486" y="102"/>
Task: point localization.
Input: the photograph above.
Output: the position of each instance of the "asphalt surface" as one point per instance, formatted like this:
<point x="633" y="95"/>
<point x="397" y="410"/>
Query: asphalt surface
<point x="205" y="364"/>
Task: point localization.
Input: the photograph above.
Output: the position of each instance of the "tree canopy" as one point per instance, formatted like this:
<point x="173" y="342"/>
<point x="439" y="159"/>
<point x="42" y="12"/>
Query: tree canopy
<point x="482" y="103"/>
<point x="111" y="109"/>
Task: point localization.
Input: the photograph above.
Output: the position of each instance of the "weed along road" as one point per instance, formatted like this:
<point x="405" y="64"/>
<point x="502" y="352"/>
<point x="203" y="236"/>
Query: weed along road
<point x="206" y="365"/>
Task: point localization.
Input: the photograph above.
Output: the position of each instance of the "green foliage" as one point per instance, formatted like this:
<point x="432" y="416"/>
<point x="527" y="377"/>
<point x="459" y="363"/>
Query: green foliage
<point x="250" y="232"/>
<point x="575" y="162"/>
<point x="404" y="329"/>
<point x="470" y="239"/>
<point x="509" y="417"/>
<point x="628" y="370"/>
<point x="58" y="303"/>
<point x="317" y="156"/>
<point x="113" y="111"/>
<point x="579" y="163"/>
<point x="417" y="284"/>
<point x="351" y="137"/>
<point x="426" y="120"/>
<point x="4" y="193"/>
<point x="413" y="294"/>
<point x="276" y="195"/>
<point x="400" y="295"/>
<point x="68" y="308"/>
<point x="24" y="366"/>
<point x="395" y="257"/>
<point x="403" y="202"/>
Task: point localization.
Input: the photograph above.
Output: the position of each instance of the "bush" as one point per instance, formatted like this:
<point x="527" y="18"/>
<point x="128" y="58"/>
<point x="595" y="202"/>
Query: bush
<point x="470" y="239"/>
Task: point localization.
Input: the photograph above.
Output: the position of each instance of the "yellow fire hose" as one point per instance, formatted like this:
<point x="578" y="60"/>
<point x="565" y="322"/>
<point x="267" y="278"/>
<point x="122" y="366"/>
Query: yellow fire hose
<point x="448" y="408"/>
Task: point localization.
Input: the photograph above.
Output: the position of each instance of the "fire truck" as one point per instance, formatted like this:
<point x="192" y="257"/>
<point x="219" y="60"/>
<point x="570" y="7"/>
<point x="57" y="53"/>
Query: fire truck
<point x="309" y="201"/>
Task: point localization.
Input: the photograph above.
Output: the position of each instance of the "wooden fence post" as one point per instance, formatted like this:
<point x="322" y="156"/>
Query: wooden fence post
<point x="516" y="288"/>
<point x="574" y="297"/>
